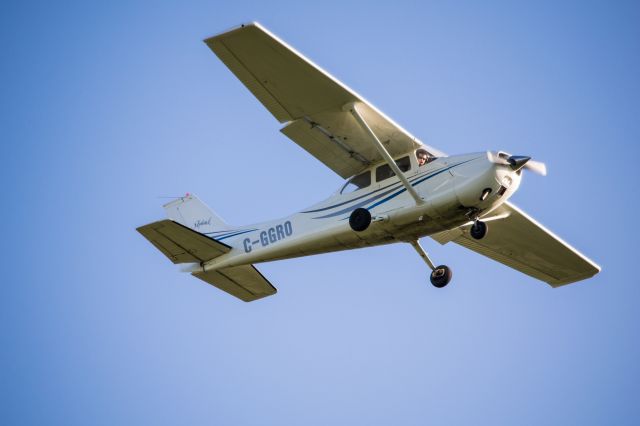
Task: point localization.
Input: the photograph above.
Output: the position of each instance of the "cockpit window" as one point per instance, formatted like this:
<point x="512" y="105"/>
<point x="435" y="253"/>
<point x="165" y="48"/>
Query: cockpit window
<point x="384" y="172"/>
<point x="423" y="157"/>
<point x="357" y="182"/>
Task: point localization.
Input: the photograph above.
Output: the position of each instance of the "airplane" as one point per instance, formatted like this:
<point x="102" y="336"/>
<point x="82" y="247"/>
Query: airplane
<point x="397" y="188"/>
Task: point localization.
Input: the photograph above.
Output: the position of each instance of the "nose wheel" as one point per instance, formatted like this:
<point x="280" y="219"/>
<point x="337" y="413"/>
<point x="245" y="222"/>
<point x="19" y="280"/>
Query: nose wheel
<point x="440" y="275"/>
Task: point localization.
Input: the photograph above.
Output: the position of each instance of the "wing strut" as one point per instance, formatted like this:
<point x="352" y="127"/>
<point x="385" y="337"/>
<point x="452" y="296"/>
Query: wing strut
<point x="383" y="152"/>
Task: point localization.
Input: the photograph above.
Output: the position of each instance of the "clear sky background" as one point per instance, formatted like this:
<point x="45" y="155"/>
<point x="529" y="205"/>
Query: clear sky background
<point x="107" y="106"/>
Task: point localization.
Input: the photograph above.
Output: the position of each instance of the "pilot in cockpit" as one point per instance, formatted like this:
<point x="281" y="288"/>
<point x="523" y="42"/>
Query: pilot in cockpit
<point x="423" y="157"/>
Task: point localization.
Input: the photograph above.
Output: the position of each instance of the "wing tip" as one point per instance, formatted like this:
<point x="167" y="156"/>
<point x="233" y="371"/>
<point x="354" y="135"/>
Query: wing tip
<point x="575" y="278"/>
<point x="211" y="39"/>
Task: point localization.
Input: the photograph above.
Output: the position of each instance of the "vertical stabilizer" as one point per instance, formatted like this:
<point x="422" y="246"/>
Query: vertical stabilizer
<point x="193" y="213"/>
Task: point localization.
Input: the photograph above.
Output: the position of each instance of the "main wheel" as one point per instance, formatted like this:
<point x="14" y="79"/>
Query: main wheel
<point x="441" y="276"/>
<point x="360" y="219"/>
<point x="479" y="230"/>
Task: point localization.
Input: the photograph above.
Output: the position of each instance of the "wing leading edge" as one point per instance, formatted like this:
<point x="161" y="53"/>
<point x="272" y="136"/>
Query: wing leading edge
<point x="309" y="100"/>
<point x="521" y="243"/>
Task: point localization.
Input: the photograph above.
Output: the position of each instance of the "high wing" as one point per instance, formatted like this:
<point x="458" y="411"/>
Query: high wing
<point x="310" y="101"/>
<point x="521" y="243"/>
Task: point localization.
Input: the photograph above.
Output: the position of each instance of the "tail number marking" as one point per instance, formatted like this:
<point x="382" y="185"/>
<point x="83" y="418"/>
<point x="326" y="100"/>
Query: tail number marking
<point x="270" y="236"/>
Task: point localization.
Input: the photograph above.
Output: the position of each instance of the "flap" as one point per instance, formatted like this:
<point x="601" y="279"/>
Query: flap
<point x="181" y="244"/>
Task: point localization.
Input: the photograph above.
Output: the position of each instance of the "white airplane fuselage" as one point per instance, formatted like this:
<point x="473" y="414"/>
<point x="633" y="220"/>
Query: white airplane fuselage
<point x="451" y="187"/>
<point x="388" y="199"/>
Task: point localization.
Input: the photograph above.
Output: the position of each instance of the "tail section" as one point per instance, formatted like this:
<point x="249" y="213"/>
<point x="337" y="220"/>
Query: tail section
<point x="182" y="240"/>
<point x="193" y="213"/>
<point x="183" y="245"/>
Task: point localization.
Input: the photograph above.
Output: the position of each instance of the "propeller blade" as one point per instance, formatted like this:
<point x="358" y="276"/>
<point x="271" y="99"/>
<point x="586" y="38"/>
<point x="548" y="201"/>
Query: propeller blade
<point x="190" y="267"/>
<point x="537" y="167"/>
<point x="498" y="158"/>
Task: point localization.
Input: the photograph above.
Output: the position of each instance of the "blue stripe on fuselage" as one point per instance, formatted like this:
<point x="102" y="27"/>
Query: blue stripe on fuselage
<point x="396" y="185"/>
<point x="231" y="234"/>
<point x="414" y="182"/>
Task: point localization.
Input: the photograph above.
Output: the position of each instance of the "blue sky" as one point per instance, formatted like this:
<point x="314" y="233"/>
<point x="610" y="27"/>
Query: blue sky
<point x="106" y="107"/>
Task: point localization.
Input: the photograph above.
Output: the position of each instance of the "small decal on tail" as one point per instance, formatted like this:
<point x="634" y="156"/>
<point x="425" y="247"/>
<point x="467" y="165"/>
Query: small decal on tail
<point x="202" y="222"/>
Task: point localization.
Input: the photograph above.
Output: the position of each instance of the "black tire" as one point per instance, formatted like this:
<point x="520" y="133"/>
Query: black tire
<point x="360" y="219"/>
<point x="441" y="276"/>
<point x="479" y="230"/>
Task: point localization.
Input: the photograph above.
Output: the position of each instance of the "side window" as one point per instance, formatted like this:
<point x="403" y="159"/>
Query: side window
<point x="384" y="172"/>
<point x="357" y="182"/>
<point x="404" y="163"/>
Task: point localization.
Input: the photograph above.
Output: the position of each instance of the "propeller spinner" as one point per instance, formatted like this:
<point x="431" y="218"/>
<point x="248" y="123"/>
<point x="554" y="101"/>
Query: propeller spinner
<point x="517" y="162"/>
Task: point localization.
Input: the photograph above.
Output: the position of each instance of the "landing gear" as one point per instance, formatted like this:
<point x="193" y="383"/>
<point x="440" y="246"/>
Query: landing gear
<point x="360" y="219"/>
<point x="440" y="275"/>
<point x="478" y="230"/>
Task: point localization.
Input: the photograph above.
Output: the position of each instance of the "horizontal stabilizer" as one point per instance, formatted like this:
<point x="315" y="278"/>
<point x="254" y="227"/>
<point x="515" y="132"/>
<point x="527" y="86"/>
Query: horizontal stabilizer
<point x="243" y="282"/>
<point x="181" y="244"/>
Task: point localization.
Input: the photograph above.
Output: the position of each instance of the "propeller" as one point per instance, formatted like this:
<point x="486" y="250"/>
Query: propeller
<point x="536" y="167"/>
<point x="517" y="162"/>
